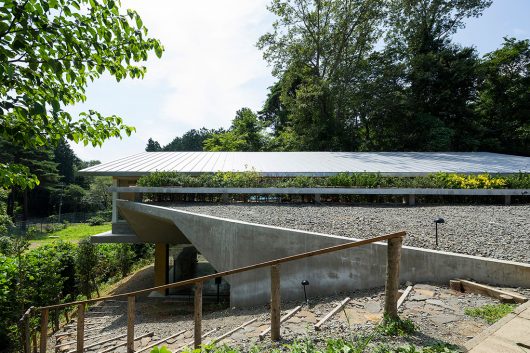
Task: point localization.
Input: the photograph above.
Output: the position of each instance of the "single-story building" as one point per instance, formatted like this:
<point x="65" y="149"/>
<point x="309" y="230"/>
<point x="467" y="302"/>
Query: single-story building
<point x="180" y="237"/>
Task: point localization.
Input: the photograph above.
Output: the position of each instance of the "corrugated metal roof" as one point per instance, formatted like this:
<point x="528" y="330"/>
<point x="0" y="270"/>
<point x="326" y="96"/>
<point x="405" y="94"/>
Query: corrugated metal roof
<point x="313" y="163"/>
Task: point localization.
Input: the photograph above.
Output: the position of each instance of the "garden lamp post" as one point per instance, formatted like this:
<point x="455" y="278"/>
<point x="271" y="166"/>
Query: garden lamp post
<point x="305" y="283"/>
<point x="437" y="221"/>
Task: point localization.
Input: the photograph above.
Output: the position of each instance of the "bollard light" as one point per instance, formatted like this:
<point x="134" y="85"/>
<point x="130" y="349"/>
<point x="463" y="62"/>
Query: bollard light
<point x="305" y="283"/>
<point x="437" y="221"/>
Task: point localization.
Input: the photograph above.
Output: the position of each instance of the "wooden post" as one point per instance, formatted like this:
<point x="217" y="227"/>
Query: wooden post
<point x="27" y="341"/>
<point x="80" y="327"/>
<point x="392" y="277"/>
<point x="130" y="323"/>
<point x="43" y="330"/>
<point x="34" y="342"/>
<point x="197" y="317"/>
<point x="275" y="302"/>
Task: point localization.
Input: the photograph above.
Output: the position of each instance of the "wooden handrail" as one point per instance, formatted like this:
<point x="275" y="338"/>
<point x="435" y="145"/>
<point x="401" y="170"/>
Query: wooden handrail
<point x="237" y="270"/>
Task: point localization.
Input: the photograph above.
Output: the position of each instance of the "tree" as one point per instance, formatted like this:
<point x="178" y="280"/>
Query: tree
<point x="439" y="77"/>
<point x="315" y="49"/>
<point x="48" y="52"/>
<point x="67" y="161"/>
<point x="98" y="196"/>
<point x="245" y="134"/>
<point x="192" y="140"/>
<point x="152" y="146"/>
<point x="503" y="105"/>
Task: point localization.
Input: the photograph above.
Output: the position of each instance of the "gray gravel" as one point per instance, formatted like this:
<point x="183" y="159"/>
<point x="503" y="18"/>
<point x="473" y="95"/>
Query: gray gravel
<point x="501" y="232"/>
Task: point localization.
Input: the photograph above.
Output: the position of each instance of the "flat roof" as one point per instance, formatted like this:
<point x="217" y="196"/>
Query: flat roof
<point x="313" y="163"/>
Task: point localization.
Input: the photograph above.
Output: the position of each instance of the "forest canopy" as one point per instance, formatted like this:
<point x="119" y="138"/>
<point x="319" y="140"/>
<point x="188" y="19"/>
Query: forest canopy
<point x="382" y="75"/>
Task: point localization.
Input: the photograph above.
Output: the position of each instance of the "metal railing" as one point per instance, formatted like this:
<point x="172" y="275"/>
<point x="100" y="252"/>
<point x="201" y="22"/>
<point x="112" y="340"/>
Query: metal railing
<point x="391" y="295"/>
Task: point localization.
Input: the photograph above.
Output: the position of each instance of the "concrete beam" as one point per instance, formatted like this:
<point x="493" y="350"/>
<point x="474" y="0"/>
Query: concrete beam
<point x="229" y="244"/>
<point x="322" y="191"/>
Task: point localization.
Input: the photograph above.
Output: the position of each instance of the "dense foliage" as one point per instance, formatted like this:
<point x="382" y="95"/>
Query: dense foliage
<point x="49" y="50"/>
<point x="55" y="273"/>
<point x="362" y="180"/>
<point x="416" y="90"/>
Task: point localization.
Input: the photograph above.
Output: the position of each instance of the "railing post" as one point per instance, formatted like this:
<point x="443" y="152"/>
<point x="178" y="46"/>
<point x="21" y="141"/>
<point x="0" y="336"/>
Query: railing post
<point x="43" y="330"/>
<point x="130" y="323"/>
<point x="275" y="302"/>
<point x="392" y="277"/>
<point x="197" y="317"/>
<point x="26" y="338"/>
<point x="80" y="327"/>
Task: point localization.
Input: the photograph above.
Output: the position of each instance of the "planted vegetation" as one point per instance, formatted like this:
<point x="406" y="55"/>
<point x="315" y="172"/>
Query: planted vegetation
<point x="491" y="312"/>
<point x="57" y="273"/>
<point x="359" y="345"/>
<point x="349" y="180"/>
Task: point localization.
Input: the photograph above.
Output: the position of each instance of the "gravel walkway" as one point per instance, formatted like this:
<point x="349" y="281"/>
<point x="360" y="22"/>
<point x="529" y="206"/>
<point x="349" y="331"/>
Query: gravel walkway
<point x="501" y="232"/>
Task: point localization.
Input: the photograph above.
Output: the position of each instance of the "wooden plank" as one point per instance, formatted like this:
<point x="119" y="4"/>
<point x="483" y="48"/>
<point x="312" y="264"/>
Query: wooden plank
<point x="404" y="296"/>
<point x="197" y="316"/>
<point x="110" y="349"/>
<point x="160" y="341"/>
<point x="43" y="330"/>
<point x="455" y="285"/>
<point x="130" y="323"/>
<point x="101" y="342"/>
<point x="392" y="277"/>
<point x="275" y="303"/>
<point x="282" y="320"/>
<point x="190" y="343"/>
<point x="473" y="287"/>
<point x="192" y="281"/>
<point x="80" y="327"/>
<point x="331" y="313"/>
<point x="229" y="333"/>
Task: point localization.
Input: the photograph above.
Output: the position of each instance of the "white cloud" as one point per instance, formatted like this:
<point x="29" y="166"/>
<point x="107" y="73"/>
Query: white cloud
<point x="210" y="69"/>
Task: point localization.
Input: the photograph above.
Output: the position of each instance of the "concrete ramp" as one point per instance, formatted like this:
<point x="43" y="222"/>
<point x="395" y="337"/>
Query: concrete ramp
<point x="228" y="244"/>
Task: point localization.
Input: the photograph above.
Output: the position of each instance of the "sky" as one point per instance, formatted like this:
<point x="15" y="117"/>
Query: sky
<point x="211" y="67"/>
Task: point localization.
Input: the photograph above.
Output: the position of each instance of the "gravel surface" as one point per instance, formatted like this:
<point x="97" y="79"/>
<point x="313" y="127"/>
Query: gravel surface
<point x="501" y="232"/>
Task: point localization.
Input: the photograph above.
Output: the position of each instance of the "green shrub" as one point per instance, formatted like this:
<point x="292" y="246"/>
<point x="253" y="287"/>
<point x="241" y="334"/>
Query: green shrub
<point x="95" y="221"/>
<point x="490" y="312"/>
<point x="125" y="256"/>
<point x="361" y="180"/>
<point x="396" y="327"/>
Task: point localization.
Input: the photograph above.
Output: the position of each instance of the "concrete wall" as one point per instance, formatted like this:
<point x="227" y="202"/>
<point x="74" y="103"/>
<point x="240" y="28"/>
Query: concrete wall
<point x="228" y="244"/>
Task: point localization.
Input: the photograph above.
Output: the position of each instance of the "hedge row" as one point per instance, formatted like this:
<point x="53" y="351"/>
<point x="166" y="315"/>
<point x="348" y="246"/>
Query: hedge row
<point x="360" y="180"/>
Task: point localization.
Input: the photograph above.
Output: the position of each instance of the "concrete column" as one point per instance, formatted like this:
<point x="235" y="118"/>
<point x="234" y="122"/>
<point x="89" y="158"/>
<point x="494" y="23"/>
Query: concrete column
<point x="114" y="198"/>
<point x="317" y="198"/>
<point x="161" y="265"/>
<point x="507" y="199"/>
<point x="412" y="200"/>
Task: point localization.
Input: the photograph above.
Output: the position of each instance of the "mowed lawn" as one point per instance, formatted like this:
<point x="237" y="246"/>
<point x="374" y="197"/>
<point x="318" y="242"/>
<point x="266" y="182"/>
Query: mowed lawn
<point x="73" y="233"/>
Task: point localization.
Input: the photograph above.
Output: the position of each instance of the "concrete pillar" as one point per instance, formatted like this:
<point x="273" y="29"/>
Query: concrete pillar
<point x="114" y="197"/>
<point x="507" y="199"/>
<point x="224" y="197"/>
<point x="161" y="265"/>
<point x="317" y="198"/>
<point x="412" y="200"/>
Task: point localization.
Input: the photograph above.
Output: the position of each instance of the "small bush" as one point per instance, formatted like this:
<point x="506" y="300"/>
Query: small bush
<point x="490" y="312"/>
<point x="396" y="327"/>
<point x="96" y="221"/>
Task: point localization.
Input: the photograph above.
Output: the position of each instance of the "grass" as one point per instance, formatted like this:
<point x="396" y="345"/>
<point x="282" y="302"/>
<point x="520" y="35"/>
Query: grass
<point x="72" y="233"/>
<point x="490" y="312"/>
